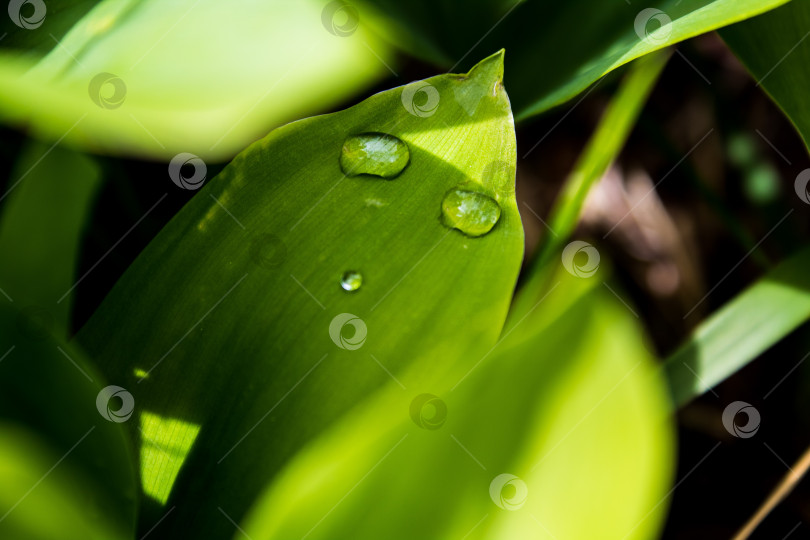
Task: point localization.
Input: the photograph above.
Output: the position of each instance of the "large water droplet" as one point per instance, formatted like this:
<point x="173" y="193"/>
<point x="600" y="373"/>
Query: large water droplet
<point x="377" y="154"/>
<point x="471" y="212"/>
<point x="351" y="281"/>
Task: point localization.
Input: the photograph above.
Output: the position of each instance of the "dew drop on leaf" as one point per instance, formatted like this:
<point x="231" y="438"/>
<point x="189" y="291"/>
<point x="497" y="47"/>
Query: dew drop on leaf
<point x="470" y="212"/>
<point x="351" y="281"/>
<point x="377" y="154"/>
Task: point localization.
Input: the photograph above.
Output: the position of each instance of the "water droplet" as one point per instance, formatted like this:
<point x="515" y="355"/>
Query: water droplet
<point x="471" y="212"/>
<point x="376" y="154"/>
<point x="351" y="281"/>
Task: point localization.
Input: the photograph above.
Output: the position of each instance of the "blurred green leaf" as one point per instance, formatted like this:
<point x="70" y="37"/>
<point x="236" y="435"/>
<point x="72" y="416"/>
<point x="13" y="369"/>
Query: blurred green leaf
<point x="743" y="329"/>
<point x="568" y="405"/>
<point x="54" y="17"/>
<point x="43" y="215"/>
<point x="65" y="471"/>
<point x="602" y="148"/>
<point x="233" y="328"/>
<point x="157" y="78"/>
<point x="556" y="49"/>
<point x="775" y="50"/>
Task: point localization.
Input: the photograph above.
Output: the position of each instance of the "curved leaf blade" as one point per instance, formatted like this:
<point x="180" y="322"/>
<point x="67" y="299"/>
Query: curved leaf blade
<point x="602" y="148"/>
<point x="146" y="78"/>
<point x="65" y="470"/>
<point x="58" y="187"/>
<point x="229" y="324"/>
<point x="59" y="18"/>
<point x="558" y="50"/>
<point x="535" y="408"/>
<point x="775" y="50"/>
<point x="744" y="328"/>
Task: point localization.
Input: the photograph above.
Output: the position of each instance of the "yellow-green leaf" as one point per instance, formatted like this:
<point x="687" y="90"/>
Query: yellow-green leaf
<point x="241" y="329"/>
<point x="158" y="78"/>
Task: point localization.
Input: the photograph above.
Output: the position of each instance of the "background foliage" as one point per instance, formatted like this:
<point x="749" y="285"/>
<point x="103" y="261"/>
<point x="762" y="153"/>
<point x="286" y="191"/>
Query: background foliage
<point x="678" y="177"/>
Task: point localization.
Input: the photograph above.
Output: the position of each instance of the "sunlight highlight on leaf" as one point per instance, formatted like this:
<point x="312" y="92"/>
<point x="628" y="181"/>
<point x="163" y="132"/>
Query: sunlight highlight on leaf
<point x="165" y="443"/>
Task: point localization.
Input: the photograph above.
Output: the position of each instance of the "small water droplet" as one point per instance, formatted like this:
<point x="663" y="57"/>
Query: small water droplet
<point x="377" y="154"/>
<point x="351" y="281"/>
<point x="471" y="212"/>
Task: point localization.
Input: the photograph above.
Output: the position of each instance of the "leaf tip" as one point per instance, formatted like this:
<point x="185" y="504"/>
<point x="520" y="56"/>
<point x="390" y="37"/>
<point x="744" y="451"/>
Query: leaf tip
<point x="490" y="68"/>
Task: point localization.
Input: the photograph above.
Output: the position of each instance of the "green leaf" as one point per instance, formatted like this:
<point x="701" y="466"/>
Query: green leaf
<point x="775" y="50"/>
<point x="601" y="150"/>
<point x="568" y="404"/>
<point x="65" y="471"/>
<point x="740" y="331"/>
<point x="54" y="17"/>
<point x="557" y="49"/>
<point x="44" y="210"/>
<point x="606" y="142"/>
<point x="233" y="328"/>
<point x="157" y="78"/>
